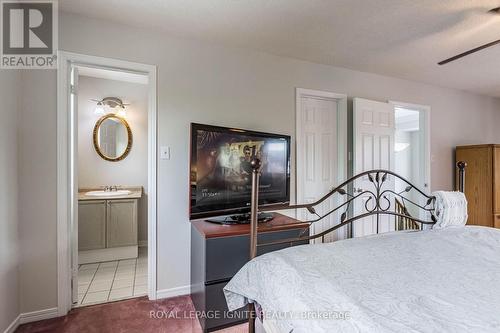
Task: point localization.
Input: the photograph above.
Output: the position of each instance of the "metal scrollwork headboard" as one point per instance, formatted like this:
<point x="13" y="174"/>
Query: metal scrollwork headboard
<point x="378" y="201"/>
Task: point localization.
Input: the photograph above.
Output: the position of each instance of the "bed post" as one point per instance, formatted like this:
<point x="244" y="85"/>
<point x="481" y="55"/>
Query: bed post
<point x="254" y="207"/>
<point x="461" y="165"/>
<point x="256" y="164"/>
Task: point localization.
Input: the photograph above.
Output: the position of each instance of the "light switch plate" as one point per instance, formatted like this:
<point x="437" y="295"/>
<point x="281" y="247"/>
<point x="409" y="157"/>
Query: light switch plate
<point x="164" y="152"/>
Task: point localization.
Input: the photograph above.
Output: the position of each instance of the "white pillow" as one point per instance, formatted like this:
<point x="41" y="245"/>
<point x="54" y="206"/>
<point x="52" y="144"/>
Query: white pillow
<point x="450" y="209"/>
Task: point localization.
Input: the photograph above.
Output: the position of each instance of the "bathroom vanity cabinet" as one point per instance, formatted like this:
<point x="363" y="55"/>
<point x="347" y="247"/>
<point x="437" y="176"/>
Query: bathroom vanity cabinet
<point x="91" y="225"/>
<point x="121" y="223"/>
<point x="106" y="224"/>
<point x="107" y="228"/>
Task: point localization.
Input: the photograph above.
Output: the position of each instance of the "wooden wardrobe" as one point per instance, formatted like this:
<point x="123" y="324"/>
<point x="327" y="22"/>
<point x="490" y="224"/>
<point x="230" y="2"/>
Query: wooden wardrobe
<point x="482" y="183"/>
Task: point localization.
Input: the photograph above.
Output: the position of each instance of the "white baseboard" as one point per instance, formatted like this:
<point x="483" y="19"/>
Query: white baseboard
<point x="29" y="317"/>
<point x="13" y="326"/>
<point x="173" y="292"/>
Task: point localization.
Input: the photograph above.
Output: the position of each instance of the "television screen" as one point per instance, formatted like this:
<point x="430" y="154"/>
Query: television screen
<point x="221" y="174"/>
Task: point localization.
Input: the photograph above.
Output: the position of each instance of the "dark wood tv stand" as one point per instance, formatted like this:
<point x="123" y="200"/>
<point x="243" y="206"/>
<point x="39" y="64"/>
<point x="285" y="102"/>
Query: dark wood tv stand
<point x="218" y="252"/>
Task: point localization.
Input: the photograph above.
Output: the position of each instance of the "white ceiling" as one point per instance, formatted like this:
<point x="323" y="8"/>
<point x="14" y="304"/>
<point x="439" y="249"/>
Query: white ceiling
<point x="401" y="38"/>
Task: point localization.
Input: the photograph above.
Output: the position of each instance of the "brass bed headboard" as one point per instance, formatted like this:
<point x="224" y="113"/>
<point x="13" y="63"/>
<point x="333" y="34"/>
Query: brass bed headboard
<point x="378" y="203"/>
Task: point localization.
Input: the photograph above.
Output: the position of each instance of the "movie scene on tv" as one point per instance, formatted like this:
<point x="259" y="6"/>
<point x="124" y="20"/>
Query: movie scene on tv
<point x="224" y="172"/>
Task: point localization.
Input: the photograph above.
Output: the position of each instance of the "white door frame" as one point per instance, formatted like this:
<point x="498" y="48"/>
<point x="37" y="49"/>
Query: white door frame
<point x="341" y="133"/>
<point x="66" y="148"/>
<point x="426" y="109"/>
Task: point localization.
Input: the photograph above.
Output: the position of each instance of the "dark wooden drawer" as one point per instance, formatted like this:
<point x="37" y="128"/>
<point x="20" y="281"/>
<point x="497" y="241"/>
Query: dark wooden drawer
<point x="225" y="256"/>
<point x="216" y="301"/>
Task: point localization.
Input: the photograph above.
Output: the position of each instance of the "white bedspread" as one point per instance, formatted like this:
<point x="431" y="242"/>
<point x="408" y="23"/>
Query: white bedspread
<point x="445" y="280"/>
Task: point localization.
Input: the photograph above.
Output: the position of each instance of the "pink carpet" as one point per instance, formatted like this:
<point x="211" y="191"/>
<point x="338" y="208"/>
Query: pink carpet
<point x="128" y="316"/>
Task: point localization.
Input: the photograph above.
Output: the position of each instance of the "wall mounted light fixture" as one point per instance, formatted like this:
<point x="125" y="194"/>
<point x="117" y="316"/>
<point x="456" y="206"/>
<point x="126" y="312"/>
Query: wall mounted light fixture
<point x="112" y="103"/>
<point x="99" y="109"/>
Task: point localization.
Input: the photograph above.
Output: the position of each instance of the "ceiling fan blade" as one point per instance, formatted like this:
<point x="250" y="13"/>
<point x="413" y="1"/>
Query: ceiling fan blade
<point x="494" y="10"/>
<point x="461" y="55"/>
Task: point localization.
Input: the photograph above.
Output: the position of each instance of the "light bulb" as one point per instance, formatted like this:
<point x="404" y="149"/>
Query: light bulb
<point x="122" y="113"/>
<point x="99" y="110"/>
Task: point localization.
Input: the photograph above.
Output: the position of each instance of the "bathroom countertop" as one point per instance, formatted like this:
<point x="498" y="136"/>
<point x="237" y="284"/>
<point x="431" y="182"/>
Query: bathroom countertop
<point x="136" y="193"/>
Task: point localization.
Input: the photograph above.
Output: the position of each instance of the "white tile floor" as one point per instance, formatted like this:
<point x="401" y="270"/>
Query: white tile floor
<point x="113" y="280"/>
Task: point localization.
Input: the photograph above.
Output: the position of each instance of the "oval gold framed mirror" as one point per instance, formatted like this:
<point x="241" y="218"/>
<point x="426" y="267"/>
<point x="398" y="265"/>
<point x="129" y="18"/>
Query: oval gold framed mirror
<point x="112" y="137"/>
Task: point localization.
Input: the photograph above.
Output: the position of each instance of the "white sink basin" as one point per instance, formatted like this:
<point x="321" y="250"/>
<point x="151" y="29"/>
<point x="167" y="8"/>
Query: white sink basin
<point x="107" y="193"/>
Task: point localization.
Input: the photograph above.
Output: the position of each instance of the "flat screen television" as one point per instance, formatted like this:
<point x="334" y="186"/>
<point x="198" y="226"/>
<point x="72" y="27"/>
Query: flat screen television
<point x="221" y="175"/>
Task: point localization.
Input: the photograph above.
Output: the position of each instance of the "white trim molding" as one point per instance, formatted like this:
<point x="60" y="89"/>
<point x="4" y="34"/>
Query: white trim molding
<point x="13" y="326"/>
<point x="173" y="292"/>
<point x="65" y="168"/>
<point x="29" y="317"/>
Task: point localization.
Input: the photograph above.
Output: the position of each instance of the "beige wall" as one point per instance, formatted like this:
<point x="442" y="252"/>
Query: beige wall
<point x="37" y="190"/>
<point x="9" y="239"/>
<point x="93" y="171"/>
<point x="217" y="85"/>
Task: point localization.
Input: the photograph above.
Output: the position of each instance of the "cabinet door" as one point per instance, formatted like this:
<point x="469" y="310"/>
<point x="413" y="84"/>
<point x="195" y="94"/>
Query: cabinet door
<point x="496" y="183"/>
<point x="91" y="225"/>
<point x="478" y="183"/>
<point x="122" y="223"/>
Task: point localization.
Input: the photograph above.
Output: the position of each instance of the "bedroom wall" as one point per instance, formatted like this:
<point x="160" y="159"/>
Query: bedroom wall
<point x="37" y="174"/>
<point x="9" y="236"/>
<point x="214" y="84"/>
<point x="93" y="171"/>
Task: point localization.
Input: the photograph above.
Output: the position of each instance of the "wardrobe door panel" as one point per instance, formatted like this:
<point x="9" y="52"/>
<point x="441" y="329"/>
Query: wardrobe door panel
<point x="496" y="181"/>
<point x="478" y="183"/>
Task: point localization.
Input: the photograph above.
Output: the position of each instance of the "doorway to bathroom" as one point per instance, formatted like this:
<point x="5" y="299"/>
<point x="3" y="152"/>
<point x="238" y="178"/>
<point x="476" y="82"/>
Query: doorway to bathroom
<point x="112" y="173"/>
<point x="109" y="173"/>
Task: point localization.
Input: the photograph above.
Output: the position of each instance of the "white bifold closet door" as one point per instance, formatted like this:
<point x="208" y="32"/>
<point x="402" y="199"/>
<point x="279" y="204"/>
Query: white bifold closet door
<point x="373" y="135"/>
<point x="317" y="155"/>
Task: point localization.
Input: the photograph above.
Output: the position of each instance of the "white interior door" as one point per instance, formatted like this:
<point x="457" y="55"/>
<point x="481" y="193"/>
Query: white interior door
<point x="373" y="135"/>
<point x="73" y="101"/>
<point x="317" y="162"/>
